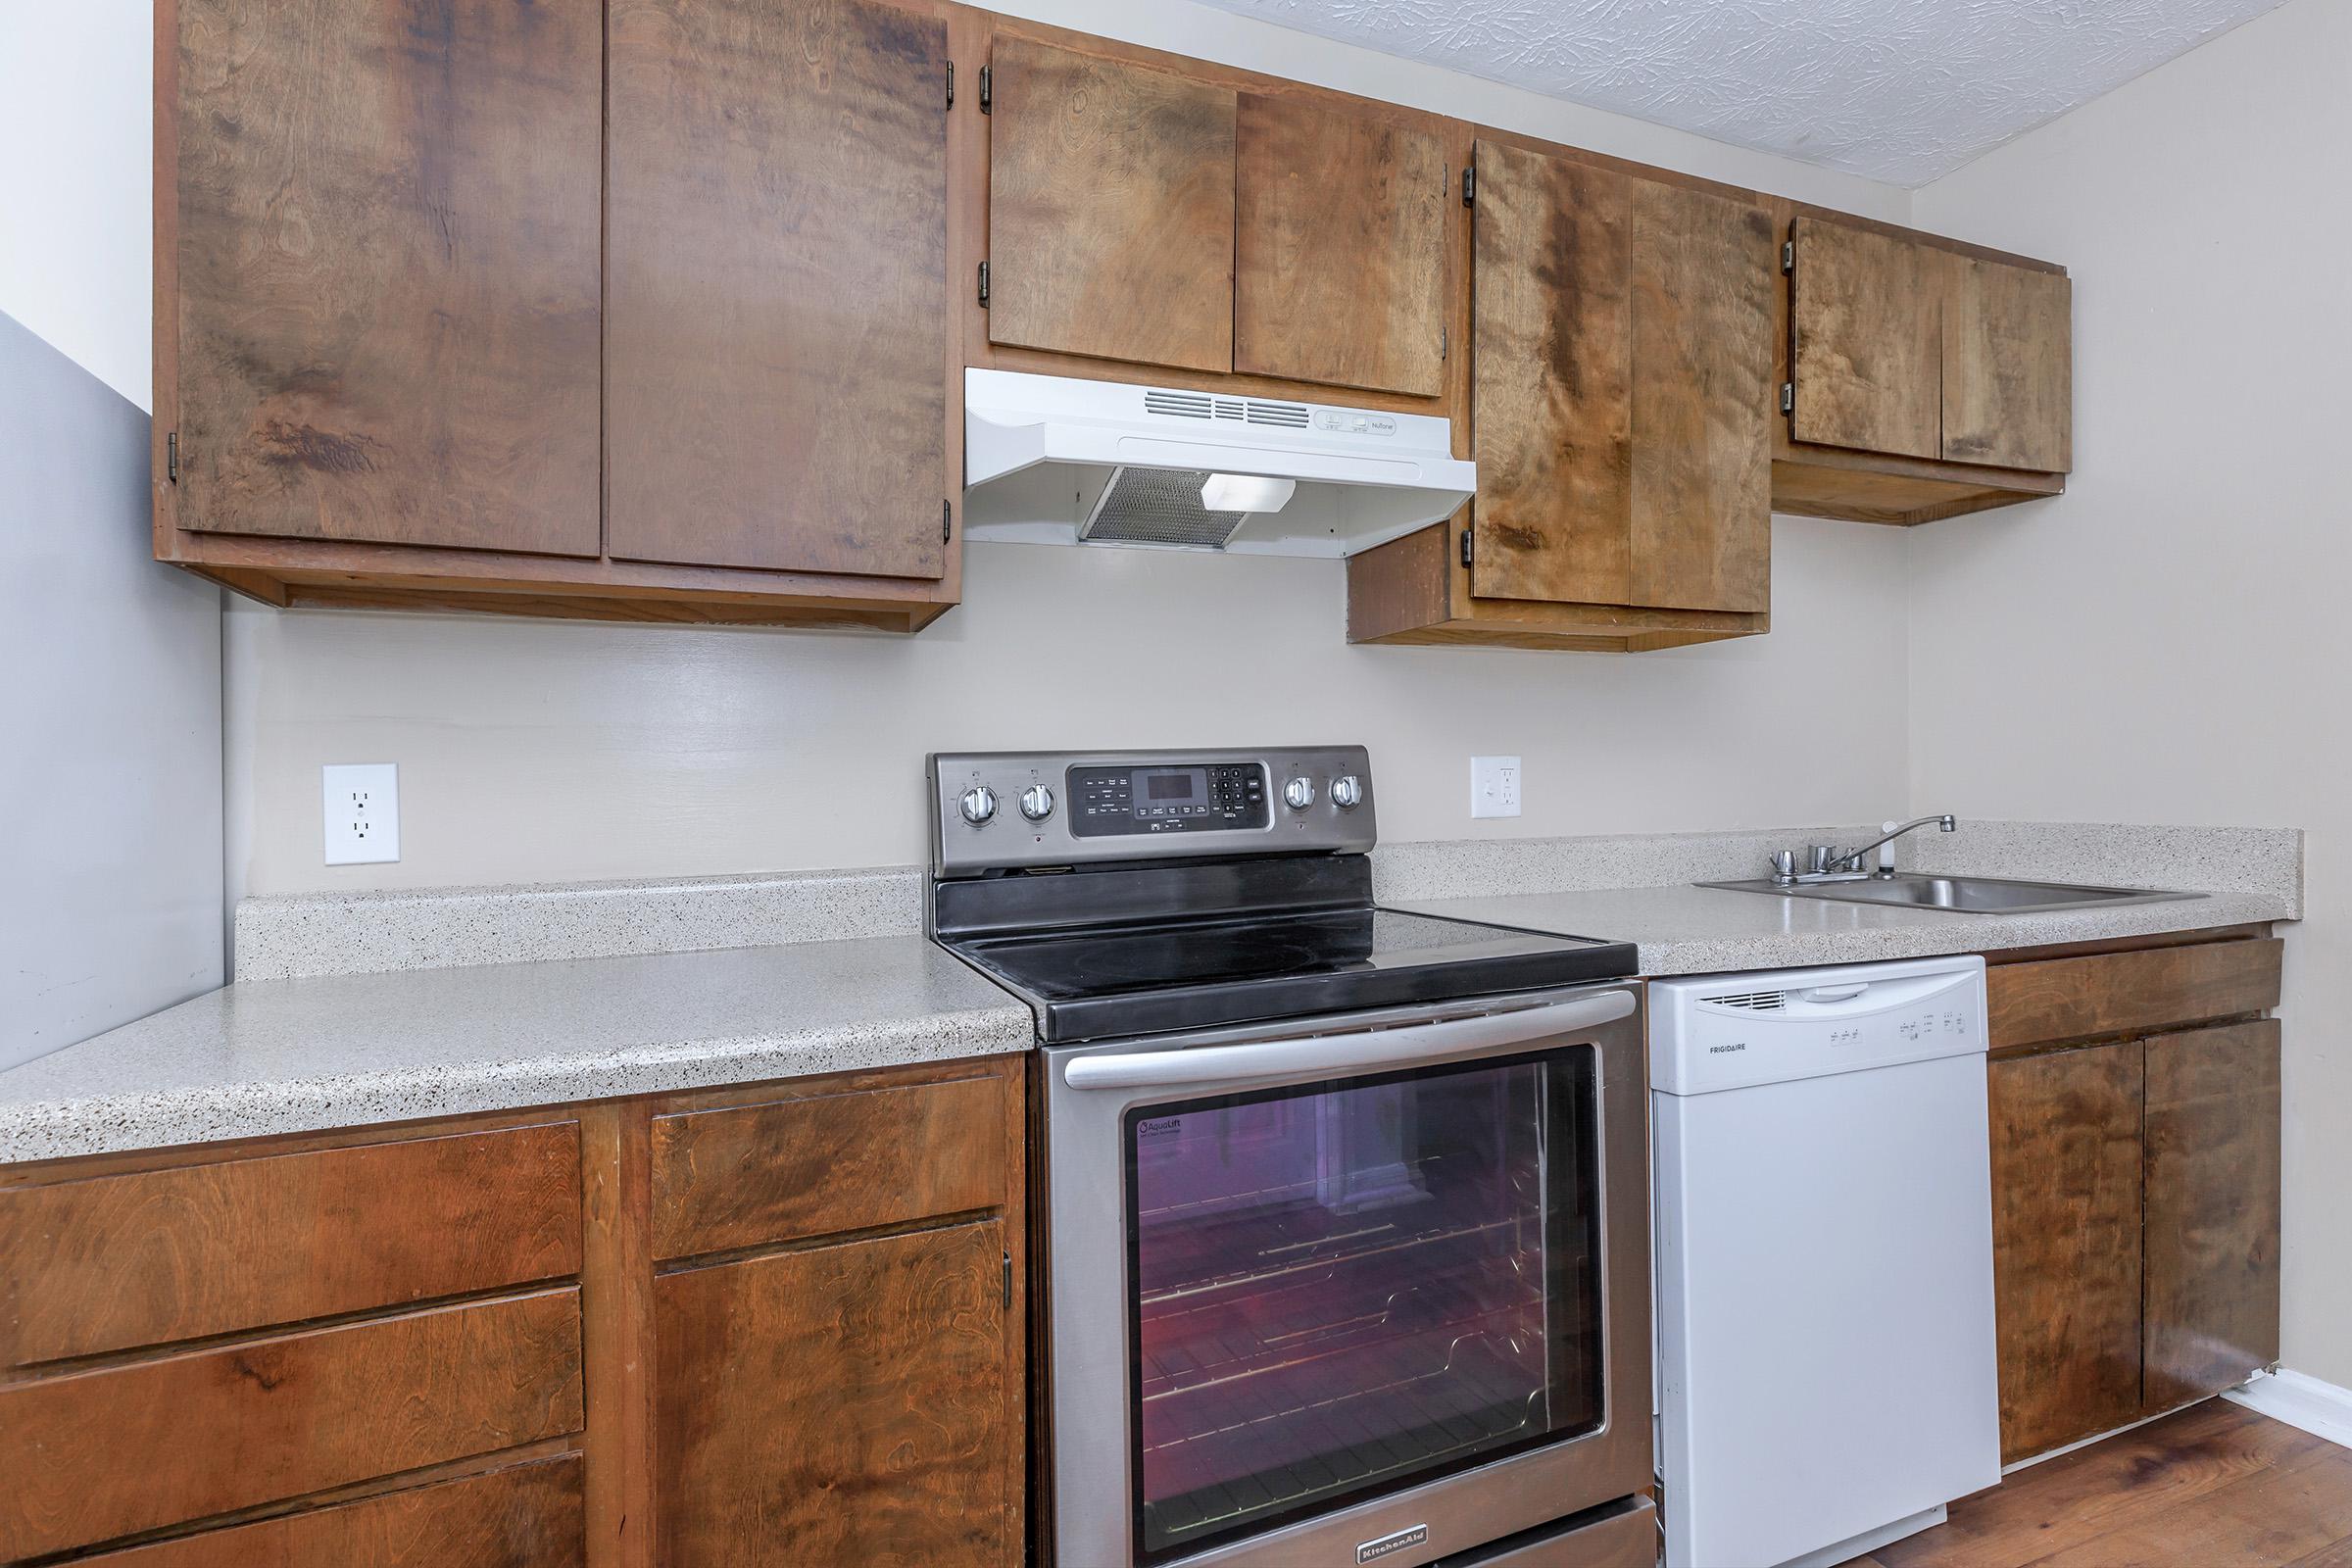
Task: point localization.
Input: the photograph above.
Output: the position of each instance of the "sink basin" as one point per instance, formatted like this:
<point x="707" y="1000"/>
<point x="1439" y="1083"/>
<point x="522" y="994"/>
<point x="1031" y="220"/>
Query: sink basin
<point x="1966" y="895"/>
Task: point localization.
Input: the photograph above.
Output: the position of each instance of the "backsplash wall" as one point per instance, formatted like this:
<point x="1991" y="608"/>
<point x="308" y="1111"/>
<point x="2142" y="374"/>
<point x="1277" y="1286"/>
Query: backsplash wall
<point x="535" y="750"/>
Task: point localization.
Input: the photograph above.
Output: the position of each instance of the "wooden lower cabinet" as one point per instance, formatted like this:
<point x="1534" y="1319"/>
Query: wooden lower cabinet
<point x="2135" y="1184"/>
<point x="848" y="1402"/>
<point x="780" y="1323"/>
<point x="2066" y="1224"/>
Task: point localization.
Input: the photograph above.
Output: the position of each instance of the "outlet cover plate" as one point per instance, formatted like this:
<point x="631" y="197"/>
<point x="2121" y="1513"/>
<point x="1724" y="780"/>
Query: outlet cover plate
<point x="362" y="803"/>
<point x="1494" y="786"/>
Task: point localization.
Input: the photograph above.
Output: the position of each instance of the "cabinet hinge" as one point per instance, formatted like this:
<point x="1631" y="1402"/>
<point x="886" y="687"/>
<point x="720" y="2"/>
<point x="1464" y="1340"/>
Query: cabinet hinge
<point x="1008" y="1281"/>
<point x="983" y="283"/>
<point x="172" y="457"/>
<point x="1789" y="255"/>
<point x="947" y="519"/>
<point x="1443" y="344"/>
<point x="1465" y="547"/>
<point x="951" y="84"/>
<point x="1788" y="397"/>
<point x="987" y="90"/>
<point x="1469" y="183"/>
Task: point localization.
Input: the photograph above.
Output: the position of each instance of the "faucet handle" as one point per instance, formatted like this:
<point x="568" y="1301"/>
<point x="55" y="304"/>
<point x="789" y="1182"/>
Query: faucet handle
<point x="1784" y="865"/>
<point x="1821" y="855"/>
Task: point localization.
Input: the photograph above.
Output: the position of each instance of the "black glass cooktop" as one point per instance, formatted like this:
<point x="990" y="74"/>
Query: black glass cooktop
<point x="1147" y="977"/>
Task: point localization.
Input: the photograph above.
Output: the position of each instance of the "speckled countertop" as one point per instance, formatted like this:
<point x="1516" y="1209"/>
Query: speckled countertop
<point x="343" y="1051"/>
<point x="1694" y="930"/>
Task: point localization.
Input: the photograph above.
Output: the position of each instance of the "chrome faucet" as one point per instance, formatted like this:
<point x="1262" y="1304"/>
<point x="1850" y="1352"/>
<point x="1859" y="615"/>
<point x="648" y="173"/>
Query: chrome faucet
<point x="1846" y="865"/>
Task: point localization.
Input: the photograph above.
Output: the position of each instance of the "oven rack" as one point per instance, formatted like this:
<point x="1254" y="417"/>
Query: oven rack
<point x="1480" y="1400"/>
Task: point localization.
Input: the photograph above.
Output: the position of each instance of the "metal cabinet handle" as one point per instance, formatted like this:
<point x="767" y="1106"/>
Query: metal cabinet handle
<point x="1349" y="1053"/>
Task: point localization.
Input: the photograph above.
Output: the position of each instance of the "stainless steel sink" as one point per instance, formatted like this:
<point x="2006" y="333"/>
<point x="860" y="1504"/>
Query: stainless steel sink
<point x="1966" y="895"/>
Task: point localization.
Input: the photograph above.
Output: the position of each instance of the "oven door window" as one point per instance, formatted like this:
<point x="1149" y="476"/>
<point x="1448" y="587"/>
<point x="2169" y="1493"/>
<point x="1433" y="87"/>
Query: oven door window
<point x="1340" y="1290"/>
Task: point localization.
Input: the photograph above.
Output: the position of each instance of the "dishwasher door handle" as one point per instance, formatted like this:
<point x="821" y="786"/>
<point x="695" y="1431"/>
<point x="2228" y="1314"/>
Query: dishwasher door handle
<point x="1352" y="1052"/>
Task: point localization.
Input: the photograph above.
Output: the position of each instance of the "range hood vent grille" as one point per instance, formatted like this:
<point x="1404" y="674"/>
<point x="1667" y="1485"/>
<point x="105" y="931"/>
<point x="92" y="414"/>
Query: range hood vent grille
<point x="1289" y="416"/>
<point x="1160" y="507"/>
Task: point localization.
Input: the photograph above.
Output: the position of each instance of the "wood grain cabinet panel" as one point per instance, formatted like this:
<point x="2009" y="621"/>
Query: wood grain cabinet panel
<point x="846" y="1404"/>
<point x="388" y="270"/>
<point x="113" y="1262"/>
<point x="1339" y="247"/>
<point x="2212" y="1134"/>
<point x="748" y="1175"/>
<point x="523" y="1516"/>
<point x="1623" y="335"/>
<point x="98" y="1454"/>
<point x="1111" y="224"/>
<point x="2008" y="366"/>
<point x="1866" y="340"/>
<point x="2121" y="993"/>
<point x="777" y="311"/>
<point x="2066" y="1229"/>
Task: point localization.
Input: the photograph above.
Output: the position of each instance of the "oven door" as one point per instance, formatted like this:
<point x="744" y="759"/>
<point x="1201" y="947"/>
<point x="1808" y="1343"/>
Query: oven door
<point x="1376" y="1293"/>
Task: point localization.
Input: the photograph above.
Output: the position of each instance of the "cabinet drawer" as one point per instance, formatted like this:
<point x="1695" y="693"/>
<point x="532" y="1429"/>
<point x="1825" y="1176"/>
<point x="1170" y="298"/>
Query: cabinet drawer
<point x="2120" y="992"/>
<point x="525" y="1516"/>
<point x="95" y="1456"/>
<point x="746" y="1175"/>
<point x="114" y="1262"/>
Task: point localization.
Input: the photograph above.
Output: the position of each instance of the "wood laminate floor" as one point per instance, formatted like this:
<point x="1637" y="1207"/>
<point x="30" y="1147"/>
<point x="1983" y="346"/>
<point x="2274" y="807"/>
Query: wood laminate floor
<point x="2215" y="1486"/>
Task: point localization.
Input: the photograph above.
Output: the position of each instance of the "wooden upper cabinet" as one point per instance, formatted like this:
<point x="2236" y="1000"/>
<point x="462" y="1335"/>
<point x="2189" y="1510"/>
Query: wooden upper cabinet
<point x="778" y="325"/>
<point x="1622" y="402"/>
<point x="1865" y="340"/>
<point x="1902" y="347"/>
<point x="1110" y="226"/>
<point x="2008" y="366"/>
<point x="1339" y="247"/>
<point x="387" y="271"/>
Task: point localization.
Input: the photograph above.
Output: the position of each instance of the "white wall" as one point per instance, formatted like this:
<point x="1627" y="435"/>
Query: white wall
<point x="2170" y="642"/>
<point x="76" y="156"/>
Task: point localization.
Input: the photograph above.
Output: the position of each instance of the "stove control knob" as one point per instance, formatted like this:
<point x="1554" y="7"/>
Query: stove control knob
<point x="1299" y="794"/>
<point x="978" y="805"/>
<point x="1037" y="803"/>
<point x="1348" y="792"/>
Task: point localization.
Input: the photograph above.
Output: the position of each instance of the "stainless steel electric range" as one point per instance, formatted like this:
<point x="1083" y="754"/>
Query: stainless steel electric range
<point x="1345" y="1212"/>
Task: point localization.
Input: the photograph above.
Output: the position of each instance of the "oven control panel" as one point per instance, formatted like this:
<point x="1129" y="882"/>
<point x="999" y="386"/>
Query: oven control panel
<point x="1167" y="798"/>
<point x="1011" y="811"/>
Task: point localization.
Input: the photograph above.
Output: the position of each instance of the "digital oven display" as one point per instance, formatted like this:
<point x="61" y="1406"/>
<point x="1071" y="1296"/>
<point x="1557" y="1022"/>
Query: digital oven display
<point x="1167" y="800"/>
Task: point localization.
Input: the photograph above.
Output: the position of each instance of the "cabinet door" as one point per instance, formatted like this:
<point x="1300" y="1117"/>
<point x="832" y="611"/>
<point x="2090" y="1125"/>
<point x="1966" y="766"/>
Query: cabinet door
<point x="1701" y="518"/>
<point x="1623" y="341"/>
<point x="845" y="1403"/>
<point x="1866" y="340"/>
<point x="2008" y="366"/>
<point x="2066" y="1242"/>
<point x="778" y="311"/>
<point x="2212" y="1210"/>
<point x="387" y="271"/>
<point x="1339" y="247"/>
<point x="1110" y="208"/>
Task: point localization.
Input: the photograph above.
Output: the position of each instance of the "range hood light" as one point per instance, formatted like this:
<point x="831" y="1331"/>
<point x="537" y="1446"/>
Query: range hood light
<point x="1246" y="492"/>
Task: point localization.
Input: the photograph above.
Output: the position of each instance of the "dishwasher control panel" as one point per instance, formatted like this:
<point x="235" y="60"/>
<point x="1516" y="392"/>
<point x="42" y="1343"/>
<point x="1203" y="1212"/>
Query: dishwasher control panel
<point x="1737" y="1031"/>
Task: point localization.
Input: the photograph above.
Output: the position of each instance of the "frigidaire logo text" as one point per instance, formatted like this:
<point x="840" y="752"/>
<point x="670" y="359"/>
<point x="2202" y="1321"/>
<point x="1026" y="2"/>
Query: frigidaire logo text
<point x="1725" y="1051"/>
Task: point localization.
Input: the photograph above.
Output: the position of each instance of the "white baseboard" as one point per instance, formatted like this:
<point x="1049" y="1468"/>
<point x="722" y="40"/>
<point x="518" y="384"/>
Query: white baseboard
<point x="2320" y="1409"/>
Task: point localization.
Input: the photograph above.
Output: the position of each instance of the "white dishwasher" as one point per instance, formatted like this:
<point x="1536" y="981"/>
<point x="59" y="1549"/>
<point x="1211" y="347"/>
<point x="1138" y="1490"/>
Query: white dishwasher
<point x="1826" y="1373"/>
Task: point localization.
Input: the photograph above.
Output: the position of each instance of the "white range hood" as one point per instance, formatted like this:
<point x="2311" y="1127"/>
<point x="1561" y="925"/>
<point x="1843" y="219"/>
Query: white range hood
<point x="1052" y="459"/>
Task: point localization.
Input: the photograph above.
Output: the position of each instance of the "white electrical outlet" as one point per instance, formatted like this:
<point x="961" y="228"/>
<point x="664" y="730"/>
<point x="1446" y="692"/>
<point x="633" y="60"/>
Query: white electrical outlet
<point x="1494" y="786"/>
<point x="362" y="813"/>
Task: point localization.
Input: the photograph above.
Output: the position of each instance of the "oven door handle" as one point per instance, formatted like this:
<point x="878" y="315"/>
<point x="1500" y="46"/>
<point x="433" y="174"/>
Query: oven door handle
<point x="1351" y="1052"/>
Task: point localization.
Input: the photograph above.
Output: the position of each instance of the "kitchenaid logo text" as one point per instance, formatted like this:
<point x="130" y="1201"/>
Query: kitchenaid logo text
<point x="1374" y="1551"/>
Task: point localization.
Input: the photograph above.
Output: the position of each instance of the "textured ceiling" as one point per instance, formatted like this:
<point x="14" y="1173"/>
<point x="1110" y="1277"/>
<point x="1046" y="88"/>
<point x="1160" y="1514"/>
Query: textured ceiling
<point x="1901" y="90"/>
